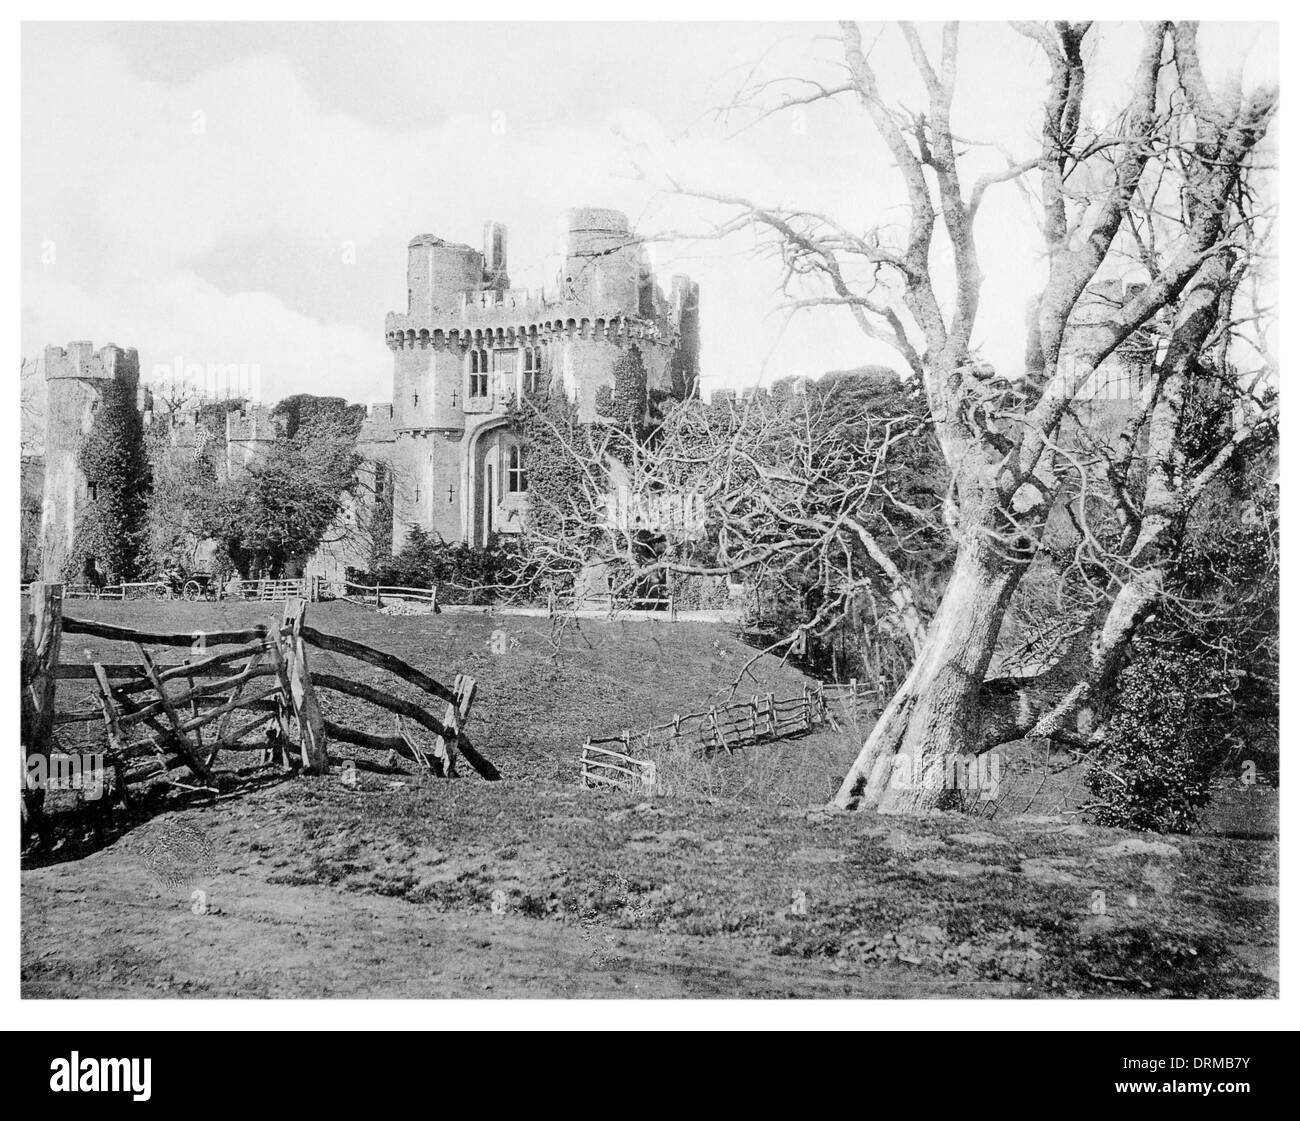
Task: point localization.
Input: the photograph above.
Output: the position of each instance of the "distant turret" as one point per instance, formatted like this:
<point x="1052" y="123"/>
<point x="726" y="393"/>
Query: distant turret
<point x="439" y="273"/>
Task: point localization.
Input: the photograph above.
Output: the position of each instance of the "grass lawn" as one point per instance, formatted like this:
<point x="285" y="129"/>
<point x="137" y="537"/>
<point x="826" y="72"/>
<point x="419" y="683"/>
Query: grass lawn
<point x="406" y="885"/>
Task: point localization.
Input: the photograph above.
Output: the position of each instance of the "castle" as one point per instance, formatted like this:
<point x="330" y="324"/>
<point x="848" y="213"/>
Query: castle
<point x="468" y="346"/>
<point x="63" y="389"/>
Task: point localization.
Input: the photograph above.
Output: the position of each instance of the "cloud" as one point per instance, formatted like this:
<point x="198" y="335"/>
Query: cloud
<point x="187" y="322"/>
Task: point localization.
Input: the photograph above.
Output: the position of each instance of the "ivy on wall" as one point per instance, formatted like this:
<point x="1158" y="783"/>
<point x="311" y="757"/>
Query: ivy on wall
<point x="111" y="533"/>
<point x="625" y="401"/>
<point x="557" y="481"/>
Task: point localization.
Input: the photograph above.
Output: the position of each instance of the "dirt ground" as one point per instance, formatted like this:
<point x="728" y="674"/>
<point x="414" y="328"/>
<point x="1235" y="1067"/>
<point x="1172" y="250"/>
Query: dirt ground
<point x="404" y="885"/>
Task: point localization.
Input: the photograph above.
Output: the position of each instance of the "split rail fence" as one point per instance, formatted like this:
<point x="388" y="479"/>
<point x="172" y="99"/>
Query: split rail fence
<point x="160" y="717"/>
<point x="619" y="760"/>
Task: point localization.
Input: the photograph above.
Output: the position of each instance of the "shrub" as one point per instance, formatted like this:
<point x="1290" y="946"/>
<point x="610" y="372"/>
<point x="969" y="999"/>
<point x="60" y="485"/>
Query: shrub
<point x="463" y="574"/>
<point x="1153" y="766"/>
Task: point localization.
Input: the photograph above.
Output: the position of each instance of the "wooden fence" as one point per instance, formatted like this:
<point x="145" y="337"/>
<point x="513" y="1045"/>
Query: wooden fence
<point x="855" y="698"/>
<point x="269" y="590"/>
<point x="140" y="590"/>
<point x="612" y="604"/>
<point x="160" y="716"/>
<point x="617" y="760"/>
<point x="375" y="595"/>
<point x="603" y="766"/>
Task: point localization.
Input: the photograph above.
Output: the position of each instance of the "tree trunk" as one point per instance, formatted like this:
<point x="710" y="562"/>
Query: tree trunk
<point x="935" y="715"/>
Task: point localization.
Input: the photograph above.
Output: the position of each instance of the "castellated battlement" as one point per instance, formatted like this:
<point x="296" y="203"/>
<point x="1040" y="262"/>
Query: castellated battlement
<point x="468" y="346"/>
<point x="250" y="422"/>
<point x="63" y="389"/>
<point x="81" y="360"/>
<point x="598" y="280"/>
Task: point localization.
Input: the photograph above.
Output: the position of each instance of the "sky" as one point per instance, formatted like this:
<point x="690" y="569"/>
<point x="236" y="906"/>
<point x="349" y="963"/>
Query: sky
<point x="238" y="194"/>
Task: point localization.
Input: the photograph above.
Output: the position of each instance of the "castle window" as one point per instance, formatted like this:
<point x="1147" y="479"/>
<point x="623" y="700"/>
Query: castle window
<point x="416" y="399"/>
<point x="381" y="479"/>
<point x="516" y="475"/>
<point x="532" y="368"/>
<point x="92" y="491"/>
<point x="478" y="374"/>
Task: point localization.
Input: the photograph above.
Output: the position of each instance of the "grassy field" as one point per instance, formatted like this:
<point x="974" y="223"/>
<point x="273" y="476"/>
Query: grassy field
<point x="406" y="885"/>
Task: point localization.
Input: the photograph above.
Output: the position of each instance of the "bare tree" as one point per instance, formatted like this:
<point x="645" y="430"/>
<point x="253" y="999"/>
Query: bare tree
<point x="836" y="513"/>
<point x="1169" y="185"/>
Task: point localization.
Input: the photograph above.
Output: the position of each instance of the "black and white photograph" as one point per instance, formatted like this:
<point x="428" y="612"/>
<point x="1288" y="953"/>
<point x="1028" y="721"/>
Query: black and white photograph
<point x="626" y="513"/>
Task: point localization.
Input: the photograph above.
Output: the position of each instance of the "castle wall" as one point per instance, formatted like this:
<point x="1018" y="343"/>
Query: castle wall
<point x="428" y="485"/>
<point x="250" y="433"/>
<point x="76" y="381"/>
<point x="349" y="542"/>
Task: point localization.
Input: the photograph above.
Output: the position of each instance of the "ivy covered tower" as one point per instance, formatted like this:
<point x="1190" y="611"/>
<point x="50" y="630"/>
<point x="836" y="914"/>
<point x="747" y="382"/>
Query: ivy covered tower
<point x="601" y="331"/>
<point x="70" y="386"/>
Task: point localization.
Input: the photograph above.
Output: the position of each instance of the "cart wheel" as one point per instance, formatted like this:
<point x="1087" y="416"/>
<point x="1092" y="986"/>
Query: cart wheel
<point x="162" y="591"/>
<point x="193" y="590"/>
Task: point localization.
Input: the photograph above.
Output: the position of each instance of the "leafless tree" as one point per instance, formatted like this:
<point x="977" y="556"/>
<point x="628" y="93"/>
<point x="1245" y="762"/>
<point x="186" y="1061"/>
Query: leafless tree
<point x="1170" y="186"/>
<point x="781" y="490"/>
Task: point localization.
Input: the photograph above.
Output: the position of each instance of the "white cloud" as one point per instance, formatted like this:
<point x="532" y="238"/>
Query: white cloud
<point x="201" y="210"/>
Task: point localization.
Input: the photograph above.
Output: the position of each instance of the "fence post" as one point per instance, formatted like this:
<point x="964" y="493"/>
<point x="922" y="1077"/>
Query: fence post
<point x="433" y="596"/>
<point x="718" y="737"/>
<point x="376" y="595"/>
<point x="311" y="724"/>
<point x="283" y="705"/>
<point x="40" y="666"/>
<point x="454" y="720"/>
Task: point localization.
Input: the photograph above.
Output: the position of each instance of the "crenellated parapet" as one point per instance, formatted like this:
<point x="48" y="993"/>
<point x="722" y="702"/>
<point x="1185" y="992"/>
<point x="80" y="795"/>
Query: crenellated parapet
<point x="469" y="346"/>
<point x="480" y="327"/>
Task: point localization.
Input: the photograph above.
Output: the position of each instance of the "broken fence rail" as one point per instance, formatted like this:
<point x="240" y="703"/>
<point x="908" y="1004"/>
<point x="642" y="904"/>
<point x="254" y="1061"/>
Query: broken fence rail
<point x="761" y="719"/>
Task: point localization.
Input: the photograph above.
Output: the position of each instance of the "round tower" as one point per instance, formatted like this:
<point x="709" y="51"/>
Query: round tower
<point x="439" y="273"/>
<point x="602" y="259"/>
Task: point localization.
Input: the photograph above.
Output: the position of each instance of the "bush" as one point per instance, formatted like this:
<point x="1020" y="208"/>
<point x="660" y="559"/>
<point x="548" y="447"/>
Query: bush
<point x="1153" y="767"/>
<point x="463" y="574"/>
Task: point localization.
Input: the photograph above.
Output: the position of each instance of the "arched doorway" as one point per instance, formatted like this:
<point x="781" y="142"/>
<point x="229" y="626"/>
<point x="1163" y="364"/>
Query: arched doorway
<point x="498" y="484"/>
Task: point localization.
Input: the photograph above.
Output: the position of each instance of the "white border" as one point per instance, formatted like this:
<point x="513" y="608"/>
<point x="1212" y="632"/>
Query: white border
<point x="906" y="1015"/>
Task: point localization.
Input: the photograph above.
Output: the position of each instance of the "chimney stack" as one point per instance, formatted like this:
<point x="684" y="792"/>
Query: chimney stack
<point x="494" y="256"/>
